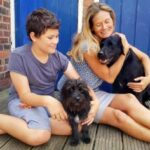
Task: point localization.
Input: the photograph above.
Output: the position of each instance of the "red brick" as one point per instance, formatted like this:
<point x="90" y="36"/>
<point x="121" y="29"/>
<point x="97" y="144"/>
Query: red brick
<point x="3" y="68"/>
<point x="3" y="11"/>
<point x="86" y="4"/>
<point x="3" y="40"/>
<point x="6" y="33"/>
<point x="7" y="4"/>
<point x="0" y="18"/>
<point x="1" y="2"/>
<point x="6" y="19"/>
<point x="8" y="27"/>
<point x="4" y="43"/>
<point x="4" y="54"/>
<point x="1" y="33"/>
<point x="7" y="46"/>
<point x="3" y="26"/>
<point x="1" y="47"/>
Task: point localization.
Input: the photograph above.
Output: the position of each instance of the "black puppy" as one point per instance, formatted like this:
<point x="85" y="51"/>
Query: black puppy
<point x="111" y="49"/>
<point x="76" y="102"/>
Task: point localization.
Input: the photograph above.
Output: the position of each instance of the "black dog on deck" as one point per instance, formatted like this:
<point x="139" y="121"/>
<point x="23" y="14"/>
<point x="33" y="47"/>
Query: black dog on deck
<point x="111" y="49"/>
<point x="76" y="102"/>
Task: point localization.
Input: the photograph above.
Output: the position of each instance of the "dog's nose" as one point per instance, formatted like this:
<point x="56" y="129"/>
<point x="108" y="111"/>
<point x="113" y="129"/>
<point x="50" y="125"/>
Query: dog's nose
<point x="101" y="55"/>
<point x="78" y="98"/>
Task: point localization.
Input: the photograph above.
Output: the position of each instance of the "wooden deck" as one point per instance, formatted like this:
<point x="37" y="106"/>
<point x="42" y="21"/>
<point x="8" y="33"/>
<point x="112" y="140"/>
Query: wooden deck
<point x="103" y="138"/>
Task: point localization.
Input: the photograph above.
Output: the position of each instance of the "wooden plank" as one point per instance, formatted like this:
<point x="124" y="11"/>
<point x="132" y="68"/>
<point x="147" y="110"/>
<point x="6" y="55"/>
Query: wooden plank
<point x="3" y="105"/>
<point x="3" y="95"/>
<point x="3" y="101"/>
<point x="108" y="138"/>
<point x="130" y="143"/>
<point x="55" y="143"/>
<point x="14" y="144"/>
<point x="83" y="146"/>
<point x="4" y="139"/>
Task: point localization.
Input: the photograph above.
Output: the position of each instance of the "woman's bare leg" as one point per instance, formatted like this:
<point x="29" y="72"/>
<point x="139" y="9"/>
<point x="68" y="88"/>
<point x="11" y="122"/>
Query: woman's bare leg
<point x="119" y="119"/>
<point x="132" y="107"/>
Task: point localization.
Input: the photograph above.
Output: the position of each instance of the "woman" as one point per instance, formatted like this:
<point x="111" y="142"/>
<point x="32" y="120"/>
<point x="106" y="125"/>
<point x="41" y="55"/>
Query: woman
<point x="35" y="113"/>
<point x="119" y="110"/>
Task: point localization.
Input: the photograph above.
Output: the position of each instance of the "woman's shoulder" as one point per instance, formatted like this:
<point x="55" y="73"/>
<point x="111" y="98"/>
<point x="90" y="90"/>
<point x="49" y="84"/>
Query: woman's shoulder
<point x="84" y="46"/>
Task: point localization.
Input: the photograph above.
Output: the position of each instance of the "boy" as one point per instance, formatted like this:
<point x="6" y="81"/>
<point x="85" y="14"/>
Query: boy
<point x="36" y="114"/>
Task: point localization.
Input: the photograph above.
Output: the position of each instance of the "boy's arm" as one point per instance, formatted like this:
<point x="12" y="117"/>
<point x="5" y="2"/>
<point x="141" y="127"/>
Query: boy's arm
<point x="71" y="73"/>
<point x="21" y="85"/>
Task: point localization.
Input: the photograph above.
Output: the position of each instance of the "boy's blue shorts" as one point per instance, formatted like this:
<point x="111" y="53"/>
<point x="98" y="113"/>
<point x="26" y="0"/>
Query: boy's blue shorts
<point x="35" y="117"/>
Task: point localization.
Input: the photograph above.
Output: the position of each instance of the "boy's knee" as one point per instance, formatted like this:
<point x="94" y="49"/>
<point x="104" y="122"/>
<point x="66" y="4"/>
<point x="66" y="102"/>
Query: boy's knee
<point x="38" y="138"/>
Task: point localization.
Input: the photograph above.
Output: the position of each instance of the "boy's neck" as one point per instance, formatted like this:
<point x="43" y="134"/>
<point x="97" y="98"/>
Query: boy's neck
<point x="38" y="54"/>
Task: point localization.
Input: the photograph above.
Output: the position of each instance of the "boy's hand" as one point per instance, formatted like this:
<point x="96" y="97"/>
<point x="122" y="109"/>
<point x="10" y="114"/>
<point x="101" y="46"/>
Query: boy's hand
<point x="23" y="105"/>
<point x="56" y="110"/>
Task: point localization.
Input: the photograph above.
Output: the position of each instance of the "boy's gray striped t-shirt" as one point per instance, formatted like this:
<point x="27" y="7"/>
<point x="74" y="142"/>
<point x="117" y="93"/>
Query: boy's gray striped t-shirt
<point x="42" y="77"/>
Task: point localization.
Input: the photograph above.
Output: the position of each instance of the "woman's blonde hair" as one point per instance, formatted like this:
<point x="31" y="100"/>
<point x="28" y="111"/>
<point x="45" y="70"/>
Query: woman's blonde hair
<point x="91" y="43"/>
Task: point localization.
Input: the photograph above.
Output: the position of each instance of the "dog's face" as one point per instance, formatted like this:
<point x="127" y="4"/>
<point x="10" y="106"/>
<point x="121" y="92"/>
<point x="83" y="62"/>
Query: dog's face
<point x="110" y="50"/>
<point x="75" y="95"/>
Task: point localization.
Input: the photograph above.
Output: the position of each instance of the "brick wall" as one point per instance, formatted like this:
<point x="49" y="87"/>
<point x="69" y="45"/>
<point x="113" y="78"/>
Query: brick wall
<point x="86" y="3"/>
<point x="5" y="43"/>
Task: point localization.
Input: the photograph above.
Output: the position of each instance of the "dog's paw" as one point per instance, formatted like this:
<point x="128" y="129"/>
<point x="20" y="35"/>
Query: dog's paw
<point x="86" y="140"/>
<point x="74" y="142"/>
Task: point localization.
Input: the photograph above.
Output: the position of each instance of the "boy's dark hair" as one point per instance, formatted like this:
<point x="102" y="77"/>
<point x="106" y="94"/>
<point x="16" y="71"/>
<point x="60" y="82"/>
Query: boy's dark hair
<point x="39" y="21"/>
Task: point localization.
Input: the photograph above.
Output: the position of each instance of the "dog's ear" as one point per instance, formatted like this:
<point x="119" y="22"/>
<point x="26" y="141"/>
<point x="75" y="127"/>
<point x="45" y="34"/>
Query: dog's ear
<point x="119" y="42"/>
<point x="82" y="85"/>
<point x="66" y="87"/>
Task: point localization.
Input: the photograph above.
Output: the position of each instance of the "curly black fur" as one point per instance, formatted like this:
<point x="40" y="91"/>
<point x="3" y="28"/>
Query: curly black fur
<point x="76" y="102"/>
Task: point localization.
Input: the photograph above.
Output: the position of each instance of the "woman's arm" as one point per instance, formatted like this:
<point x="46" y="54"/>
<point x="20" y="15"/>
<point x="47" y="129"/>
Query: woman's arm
<point x="107" y="74"/>
<point x="144" y="59"/>
<point x="144" y="81"/>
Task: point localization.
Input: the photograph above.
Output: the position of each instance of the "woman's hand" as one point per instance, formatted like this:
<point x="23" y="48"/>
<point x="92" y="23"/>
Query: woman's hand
<point x="124" y="42"/>
<point x="140" y="85"/>
<point x="56" y="109"/>
<point x="92" y="113"/>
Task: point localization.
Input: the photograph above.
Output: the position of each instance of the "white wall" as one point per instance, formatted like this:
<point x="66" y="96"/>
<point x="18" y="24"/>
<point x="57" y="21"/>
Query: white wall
<point x="80" y="14"/>
<point x="12" y="22"/>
